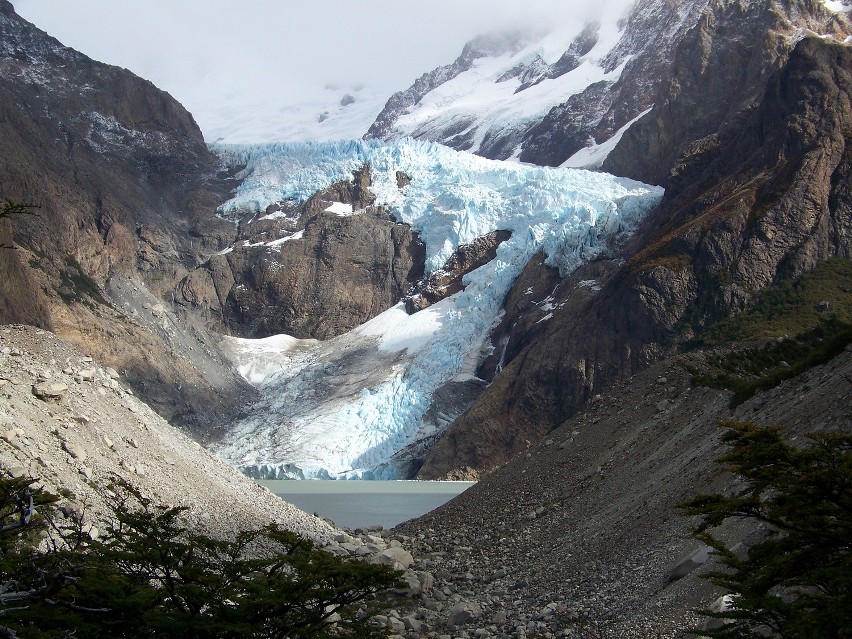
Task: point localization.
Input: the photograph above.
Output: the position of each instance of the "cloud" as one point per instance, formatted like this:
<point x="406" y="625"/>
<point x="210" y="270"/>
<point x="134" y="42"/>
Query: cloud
<point x="285" y="50"/>
<point x="389" y="43"/>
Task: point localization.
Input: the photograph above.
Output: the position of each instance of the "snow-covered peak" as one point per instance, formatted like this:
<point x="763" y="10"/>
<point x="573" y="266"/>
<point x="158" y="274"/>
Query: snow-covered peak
<point x="343" y="408"/>
<point x="546" y="98"/>
<point x="511" y="85"/>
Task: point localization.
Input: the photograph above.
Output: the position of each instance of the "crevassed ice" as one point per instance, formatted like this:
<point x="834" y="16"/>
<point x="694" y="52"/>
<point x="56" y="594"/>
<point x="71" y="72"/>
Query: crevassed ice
<point x="344" y="407"/>
<point x="454" y="197"/>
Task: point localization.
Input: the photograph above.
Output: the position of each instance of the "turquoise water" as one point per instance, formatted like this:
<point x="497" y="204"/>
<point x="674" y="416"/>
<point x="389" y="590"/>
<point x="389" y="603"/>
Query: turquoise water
<point x="359" y="504"/>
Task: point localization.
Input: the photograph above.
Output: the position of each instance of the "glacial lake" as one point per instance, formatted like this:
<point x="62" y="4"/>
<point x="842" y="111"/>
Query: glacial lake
<point x="359" y="504"/>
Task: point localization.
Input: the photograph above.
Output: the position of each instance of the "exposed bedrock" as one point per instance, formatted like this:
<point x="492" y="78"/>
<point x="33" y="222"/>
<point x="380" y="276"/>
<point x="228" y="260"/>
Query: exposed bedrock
<point x="448" y="280"/>
<point x="126" y="193"/>
<point x="337" y="273"/>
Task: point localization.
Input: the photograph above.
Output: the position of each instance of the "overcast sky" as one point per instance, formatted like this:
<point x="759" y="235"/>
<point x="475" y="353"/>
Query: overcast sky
<point x="196" y="48"/>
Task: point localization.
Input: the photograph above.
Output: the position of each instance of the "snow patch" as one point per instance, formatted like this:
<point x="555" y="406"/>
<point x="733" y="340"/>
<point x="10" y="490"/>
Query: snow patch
<point x="838" y="6"/>
<point x="298" y="235"/>
<point x="340" y="208"/>
<point x="593" y="156"/>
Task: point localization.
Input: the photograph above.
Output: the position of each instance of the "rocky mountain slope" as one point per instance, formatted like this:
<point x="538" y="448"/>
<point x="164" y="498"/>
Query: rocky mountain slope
<point x="761" y="198"/>
<point x="126" y="190"/>
<point x="543" y="99"/>
<point x="580" y="535"/>
<point x="589" y="426"/>
<point x="71" y="423"/>
<point x="126" y="224"/>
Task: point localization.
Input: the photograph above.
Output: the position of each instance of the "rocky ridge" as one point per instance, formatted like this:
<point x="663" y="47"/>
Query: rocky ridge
<point x="399" y="103"/>
<point x="761" y="199"/>
<point x="309" y="272"/>
<point x="648" y="34"/>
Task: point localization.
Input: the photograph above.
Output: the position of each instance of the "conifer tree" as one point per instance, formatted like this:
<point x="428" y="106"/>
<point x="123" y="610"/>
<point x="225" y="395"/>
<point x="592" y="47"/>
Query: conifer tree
<point x="797" y="582"/>
<point x="147" y="575"/>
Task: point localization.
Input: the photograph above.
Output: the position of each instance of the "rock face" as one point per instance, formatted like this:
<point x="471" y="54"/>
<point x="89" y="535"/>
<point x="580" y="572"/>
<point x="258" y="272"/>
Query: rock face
<point x="448" y="280"/>
<point x="765" y="196"/>
<point x="338" y="272"/>
<point x="652" y="31"/>
<point x="126" y="191"/>
<point x="720" y="66"/>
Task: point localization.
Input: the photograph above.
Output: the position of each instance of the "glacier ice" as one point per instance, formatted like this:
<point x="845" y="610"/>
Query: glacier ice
<point x="343" y="408"/>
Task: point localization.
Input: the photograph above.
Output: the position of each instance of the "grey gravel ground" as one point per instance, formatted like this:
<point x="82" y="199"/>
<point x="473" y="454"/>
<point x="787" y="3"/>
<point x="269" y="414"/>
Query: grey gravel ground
<point x="578" y="537"/>
<point x="91" y="427"/>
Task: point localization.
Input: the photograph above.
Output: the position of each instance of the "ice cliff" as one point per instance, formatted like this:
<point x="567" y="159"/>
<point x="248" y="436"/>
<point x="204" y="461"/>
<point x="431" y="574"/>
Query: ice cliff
<point x="344" y="407"/>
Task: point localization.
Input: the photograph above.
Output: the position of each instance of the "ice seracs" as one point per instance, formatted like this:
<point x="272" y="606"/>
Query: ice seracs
<point x="343" y="408"/>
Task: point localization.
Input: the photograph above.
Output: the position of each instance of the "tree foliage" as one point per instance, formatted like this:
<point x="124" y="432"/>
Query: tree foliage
<point x="147" y="575"/>
<point x="797" y="582"/>
<point x="10" y="207"/>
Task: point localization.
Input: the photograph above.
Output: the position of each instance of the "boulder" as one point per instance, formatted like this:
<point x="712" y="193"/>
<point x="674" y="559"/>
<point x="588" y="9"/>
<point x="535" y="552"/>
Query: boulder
<point x="50" y="390"/>
<point x="75" y="450"/>
<point x="463" y="613"/>
<point x="399" y="558"/>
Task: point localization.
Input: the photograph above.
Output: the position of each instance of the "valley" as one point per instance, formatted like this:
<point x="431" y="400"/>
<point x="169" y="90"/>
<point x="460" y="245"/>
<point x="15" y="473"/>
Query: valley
<point x="552" y="266"/>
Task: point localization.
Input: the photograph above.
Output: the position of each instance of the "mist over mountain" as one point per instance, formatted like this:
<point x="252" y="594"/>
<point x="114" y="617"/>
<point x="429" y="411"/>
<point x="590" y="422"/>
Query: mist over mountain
<point x="446" y="294"/>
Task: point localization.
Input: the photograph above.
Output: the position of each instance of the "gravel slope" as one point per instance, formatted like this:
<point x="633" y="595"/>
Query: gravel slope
<point x="88" y="426"/>
<point x="581" y="536"/>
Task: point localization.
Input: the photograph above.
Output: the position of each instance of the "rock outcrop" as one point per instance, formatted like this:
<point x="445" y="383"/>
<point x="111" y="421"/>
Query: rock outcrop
<point x="652" y="31"/>
<point x="764" y="197"/>
<point x="448" y="280"/>
<point x="334" y="273"/>
<point x="719" y="67"/>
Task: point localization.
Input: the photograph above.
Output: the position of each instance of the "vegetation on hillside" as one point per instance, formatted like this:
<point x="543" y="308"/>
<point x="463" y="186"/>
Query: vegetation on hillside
<point x="790" y="307"/>
<point x="795" y="325"/>
<point x="747" y="370"/>
<point x="148" y="576"/>
<point x="10" y="207"/>
<point x="797" y="582"/>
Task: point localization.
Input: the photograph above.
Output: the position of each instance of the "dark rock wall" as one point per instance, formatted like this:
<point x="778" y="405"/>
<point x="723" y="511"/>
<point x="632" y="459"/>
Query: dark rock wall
<point x="341" y="272"/>
<point x="720" y="65"/>
<point x="653" y="30"/>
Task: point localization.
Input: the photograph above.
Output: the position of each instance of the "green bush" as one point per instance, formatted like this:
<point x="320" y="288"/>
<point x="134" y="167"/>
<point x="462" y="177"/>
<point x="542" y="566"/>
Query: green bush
<point x="789" y="307"/>
<point x="148" y="576"/>
<point x="797" y="582"/>
<point x="747" y="370"/>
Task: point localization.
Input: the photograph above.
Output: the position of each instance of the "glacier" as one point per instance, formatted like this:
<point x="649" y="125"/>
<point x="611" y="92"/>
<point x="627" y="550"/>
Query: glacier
<point x="343" y="408"/>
